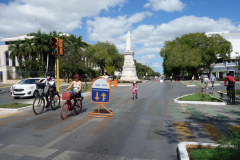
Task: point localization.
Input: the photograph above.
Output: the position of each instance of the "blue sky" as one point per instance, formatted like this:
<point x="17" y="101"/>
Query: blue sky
<point x="151" y="22"/>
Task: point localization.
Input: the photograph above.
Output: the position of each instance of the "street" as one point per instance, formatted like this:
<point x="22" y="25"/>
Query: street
<point x="149" y="127"/>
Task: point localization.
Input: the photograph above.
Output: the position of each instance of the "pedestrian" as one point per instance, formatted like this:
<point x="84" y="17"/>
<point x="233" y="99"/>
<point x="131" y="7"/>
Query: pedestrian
<point x="199" y="78"/>
<point x="206" y="80"/>
<point x="213" y="79"/>
<point x="105" y="75"/>
<point x="192" y="78"/>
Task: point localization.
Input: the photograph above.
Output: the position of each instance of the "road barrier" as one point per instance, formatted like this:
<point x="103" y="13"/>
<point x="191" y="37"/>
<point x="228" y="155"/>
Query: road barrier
<point x="115" y="83"/>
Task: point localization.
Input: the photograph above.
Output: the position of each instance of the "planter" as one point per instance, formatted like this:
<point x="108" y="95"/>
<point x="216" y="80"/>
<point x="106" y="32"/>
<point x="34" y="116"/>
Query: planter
<point x="198" y="102"/>
<point x="182" y="148"/>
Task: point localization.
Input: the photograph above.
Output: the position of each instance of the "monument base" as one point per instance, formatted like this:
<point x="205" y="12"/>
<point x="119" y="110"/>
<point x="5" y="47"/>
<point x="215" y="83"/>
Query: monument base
<point x="122" y="81"/>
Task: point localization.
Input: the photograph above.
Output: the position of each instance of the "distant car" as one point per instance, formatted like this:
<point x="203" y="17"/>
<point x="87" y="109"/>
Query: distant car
<point x="110" y="78"/>
<point x="26" y="88"/>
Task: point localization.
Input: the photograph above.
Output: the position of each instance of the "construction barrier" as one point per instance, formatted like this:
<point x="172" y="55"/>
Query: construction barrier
<point x="115" y="83"/>
<point x="109" y="82"/>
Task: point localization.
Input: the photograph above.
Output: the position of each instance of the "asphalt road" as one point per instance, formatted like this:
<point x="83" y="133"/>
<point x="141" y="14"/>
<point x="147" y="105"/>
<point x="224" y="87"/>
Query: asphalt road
<point x="146" y="128"/>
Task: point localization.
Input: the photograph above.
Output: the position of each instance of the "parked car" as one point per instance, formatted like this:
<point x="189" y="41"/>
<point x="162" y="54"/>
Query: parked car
<point x="26" y="88"/>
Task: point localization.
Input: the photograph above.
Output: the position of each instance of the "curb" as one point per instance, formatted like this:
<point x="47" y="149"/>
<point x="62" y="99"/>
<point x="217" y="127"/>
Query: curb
<point x="188" y="85"/>
<point x="18" y="109"/>
<point x="236" y="97"/>
<point x="3" y="91"/>
<point x="182" y="151"/>
<point x="198" y="102"/>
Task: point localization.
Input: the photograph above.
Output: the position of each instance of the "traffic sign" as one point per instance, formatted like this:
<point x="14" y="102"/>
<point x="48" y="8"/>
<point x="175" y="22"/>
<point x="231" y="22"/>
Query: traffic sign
<point x="100" y="91"/>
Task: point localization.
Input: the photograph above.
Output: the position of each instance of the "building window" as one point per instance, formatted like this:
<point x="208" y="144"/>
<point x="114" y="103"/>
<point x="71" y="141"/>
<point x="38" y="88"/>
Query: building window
<point x="7" y="59"/>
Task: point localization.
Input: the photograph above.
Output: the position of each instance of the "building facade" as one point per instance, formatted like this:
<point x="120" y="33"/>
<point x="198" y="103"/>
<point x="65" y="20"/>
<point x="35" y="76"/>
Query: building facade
<point x="6" y="63"/>
<point x="227" y="65"/>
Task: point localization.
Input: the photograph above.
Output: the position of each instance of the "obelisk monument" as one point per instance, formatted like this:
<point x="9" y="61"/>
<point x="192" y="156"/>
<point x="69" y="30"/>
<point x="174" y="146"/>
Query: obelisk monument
<point x="129" y="69"/>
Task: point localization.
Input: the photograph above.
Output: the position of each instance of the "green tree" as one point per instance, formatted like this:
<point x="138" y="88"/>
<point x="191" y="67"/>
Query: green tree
<point x="15" y="49"/>
<point x="103" y="54"/>
<point x="184" y="53"/>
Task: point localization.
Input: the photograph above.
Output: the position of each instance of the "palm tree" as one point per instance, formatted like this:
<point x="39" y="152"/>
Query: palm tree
<point x="30" y="52"/>
<point x="15" y="49"/>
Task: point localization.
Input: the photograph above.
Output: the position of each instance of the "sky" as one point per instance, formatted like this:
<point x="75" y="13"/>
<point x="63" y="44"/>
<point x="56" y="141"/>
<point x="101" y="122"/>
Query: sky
<point x="150" y="22"/>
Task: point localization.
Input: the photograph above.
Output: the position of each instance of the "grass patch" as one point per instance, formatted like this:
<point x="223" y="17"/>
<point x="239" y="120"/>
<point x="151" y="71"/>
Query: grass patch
<point x="237" y="92"/>
<point x="199" y="97"/>
<point x="212" y="153"/>
<point x="14" y="105"/>
<point x="231" y="150"/>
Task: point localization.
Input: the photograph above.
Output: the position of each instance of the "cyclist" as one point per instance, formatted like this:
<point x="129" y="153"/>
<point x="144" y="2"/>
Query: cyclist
<point x="77" y="86"/>
<point x="231" y="82"/>
<point x="135" y="86"/>
<point x="50" y="82"/>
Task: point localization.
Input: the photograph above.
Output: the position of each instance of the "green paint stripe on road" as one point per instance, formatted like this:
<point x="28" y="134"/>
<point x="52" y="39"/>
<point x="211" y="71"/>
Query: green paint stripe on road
<point x="175" y="111"/>
<point x="157" y="110"/>
<point x="195" y="113"/>
<point x="231" y="112"/>
<point x="215" y="114"/>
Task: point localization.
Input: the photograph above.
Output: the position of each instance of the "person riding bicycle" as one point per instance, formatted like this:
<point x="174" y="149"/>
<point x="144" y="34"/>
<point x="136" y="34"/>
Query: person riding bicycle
<point x="50" y="82"/>
<point x="135" y="87"/>
<point x="231" y="82"/>
<point x="77" y="86"/>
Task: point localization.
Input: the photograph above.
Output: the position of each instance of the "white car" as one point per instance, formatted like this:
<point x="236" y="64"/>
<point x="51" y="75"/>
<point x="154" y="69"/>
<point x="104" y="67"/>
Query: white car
<point x="26" y="88"/>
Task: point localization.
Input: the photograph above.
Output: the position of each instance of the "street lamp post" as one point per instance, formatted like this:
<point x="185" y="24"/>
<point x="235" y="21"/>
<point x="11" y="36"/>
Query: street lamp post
<point x="68" y="65"/>
<point x="201" y="46"/>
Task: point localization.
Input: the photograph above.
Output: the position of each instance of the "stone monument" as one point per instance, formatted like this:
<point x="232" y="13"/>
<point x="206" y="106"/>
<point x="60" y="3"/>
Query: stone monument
<point x="129" y="69"/>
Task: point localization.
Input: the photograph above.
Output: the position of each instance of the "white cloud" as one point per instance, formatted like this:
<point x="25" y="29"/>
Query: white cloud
<point x="157" y="64"/>
<point x="149" y="56"/>
<point x="165" y="5"/>
<point x="18" y="17"/>
<point x="146" y="50"/>
<point x="114" y="29"/>
<point x="148" y="39"/>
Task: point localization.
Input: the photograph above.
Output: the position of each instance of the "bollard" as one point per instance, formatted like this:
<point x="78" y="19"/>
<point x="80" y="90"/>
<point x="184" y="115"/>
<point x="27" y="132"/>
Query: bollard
<point x="115" y="83"/>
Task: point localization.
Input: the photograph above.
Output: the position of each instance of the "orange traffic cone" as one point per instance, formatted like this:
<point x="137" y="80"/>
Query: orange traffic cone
<point x="176" y="80"/>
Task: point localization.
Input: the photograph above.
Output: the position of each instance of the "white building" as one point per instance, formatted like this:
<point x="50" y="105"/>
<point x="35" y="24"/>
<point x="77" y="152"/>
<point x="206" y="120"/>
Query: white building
<point x="6" y="63"/>
<point x="227" y="65"/>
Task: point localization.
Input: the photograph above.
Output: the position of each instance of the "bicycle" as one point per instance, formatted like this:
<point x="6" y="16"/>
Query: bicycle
<point x="231" y="95"/>
<point x="68" y="105"/>
<point x="134" y="94"/>
<point x="39" y="102"/>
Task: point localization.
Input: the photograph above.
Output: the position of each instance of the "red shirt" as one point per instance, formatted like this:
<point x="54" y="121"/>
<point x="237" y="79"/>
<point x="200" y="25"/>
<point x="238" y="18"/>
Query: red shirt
<point x="229" y="79"/>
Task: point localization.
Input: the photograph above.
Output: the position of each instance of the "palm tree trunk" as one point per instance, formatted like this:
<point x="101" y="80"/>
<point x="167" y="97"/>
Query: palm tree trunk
<point x="47" y="62"/>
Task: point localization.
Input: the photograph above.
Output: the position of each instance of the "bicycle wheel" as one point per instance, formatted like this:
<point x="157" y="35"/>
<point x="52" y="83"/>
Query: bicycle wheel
<point x="133" y="96"/>
<point x="38" y="105"/>
<point x="78" y="107"/>
<point x="55" y="102"/>
<point x="64" y="110"/>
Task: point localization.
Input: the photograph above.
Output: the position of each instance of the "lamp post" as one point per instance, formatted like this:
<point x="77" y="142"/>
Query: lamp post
<point x="68" y="65"/>
<point x="201" y="46"/>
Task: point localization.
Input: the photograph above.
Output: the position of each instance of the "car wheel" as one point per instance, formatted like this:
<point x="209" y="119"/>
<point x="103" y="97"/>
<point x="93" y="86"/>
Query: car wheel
<point x="16" y="97"/>
<point x="35" y="94"/>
